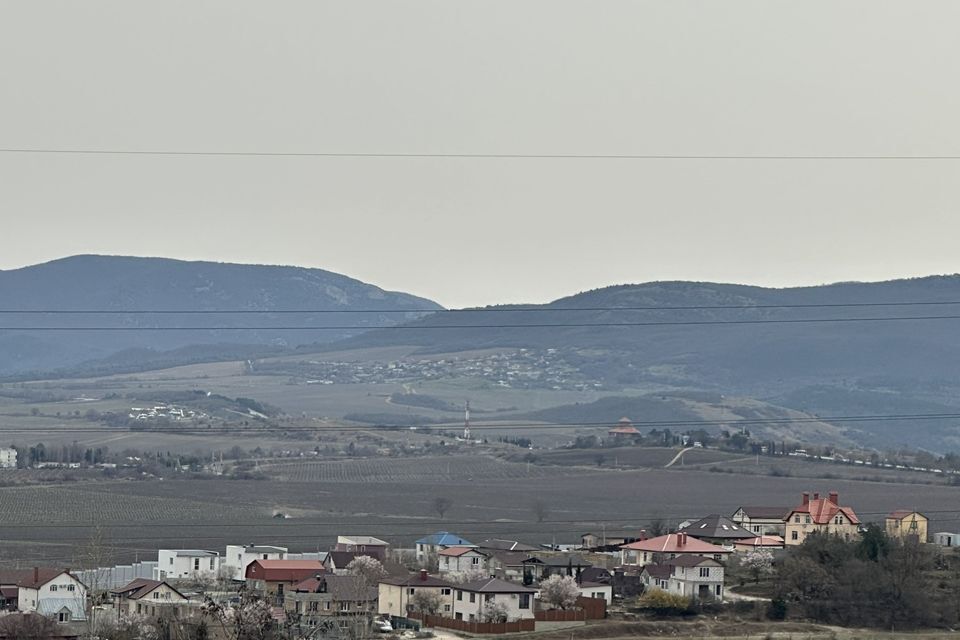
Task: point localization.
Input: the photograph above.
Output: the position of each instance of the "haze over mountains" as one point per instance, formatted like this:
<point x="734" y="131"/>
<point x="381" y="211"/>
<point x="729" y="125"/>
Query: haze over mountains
<point x="110" y="283"/>
<point x="850" y="367"/>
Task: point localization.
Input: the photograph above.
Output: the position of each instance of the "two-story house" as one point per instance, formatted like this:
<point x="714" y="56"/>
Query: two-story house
<point x="905" y="525"/>
<point x="238" y="557"/>
<point x="397" y="595"/>
<point x="821" y="515"/>
<point x="471" y="597"/>
<point x="761" y="520"/>
<point x="147" y="597"/>
<point x="458" y="559"/>
<point x="54" y="593"/>
<point x="689" y="576"/>
<point x="430" y="546"/>
<point x="330" y="595"/>
<point x="365" y="545"/>
<point x="717" y="529"/>
<point x="669" y="546"/>
<point x="181" y="564"/>
<point x="8" y="458"/>
<point x="272" y="579"/>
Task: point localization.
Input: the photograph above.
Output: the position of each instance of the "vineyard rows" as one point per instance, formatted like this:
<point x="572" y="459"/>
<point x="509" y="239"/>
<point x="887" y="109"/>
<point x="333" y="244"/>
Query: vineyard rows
<point x="409" y="470"/>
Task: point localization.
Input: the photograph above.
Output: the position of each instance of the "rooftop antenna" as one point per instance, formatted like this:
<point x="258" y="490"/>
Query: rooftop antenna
<point x="466" y="421"/>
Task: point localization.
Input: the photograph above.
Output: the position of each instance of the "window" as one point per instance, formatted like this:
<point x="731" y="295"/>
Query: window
<point x="476" y="561"/>
<point x="794" y="536"/>
<point x="411" y="591"/>
<point x="460" y="595"/>
<point x="70" y="587"/>
<point x="806" y="519"/>
<point x="171" y="559"/>
<point x="716" y="589"/>
<point x="211" y="564"/>
<point x="196" y="564"/>
<point x="704" y="572"/>
<point x="756" y="528"/>
<point x="53" y="587"/>
<point x="314" y="606"/>
<point x="326" y="606"/>
<point x="264" y="556"/>
<point x="344" y="606"/>
<point x="446" y="608"/>
<point x="796" y="519"/>
<point x="155" y="595"/>
<point x="524" y="600"/>
<point x="63" y="616"/>
<point x="445" y="592"/>
<point x="473" y="597"/>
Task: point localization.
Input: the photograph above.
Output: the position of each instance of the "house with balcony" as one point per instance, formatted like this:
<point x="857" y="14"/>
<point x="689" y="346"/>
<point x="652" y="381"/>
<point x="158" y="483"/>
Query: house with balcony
<point x="330" y="595"/>
<point x="761" y="520"/>
<point x="689" y="576"/>
<point x="670" y="546"/>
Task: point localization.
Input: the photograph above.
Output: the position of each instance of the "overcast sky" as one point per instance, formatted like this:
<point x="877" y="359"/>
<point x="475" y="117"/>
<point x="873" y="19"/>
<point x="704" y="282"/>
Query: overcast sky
<point x="488" y="76"/>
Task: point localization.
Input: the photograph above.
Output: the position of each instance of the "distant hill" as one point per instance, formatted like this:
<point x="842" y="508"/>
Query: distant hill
<point x="112" y="283"/>
<point x="854" y="367"/>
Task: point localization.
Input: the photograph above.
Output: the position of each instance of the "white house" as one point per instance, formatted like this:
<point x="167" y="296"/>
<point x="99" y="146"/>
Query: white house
<point x="947" y="539"/>
<point x="429" y="546"/>
<point x="186" y="563"/>
<point x="454" y="559"/>
<point x="597" y="590"/>
<point x="54" y="593"/>
<point x="238" y="557"/>
<point x="8" y="458"/>
<point x="690" y="576"/>
<point x="471" y="597"/>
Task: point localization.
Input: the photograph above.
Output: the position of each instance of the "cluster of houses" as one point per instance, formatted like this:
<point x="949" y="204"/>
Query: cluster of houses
<point x="458" y="578"/>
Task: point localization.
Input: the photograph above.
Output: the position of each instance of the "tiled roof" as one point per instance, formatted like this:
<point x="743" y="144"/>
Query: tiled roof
<point x="506" y="545"/>
<point x="761" y="541"/>
<point x="445" y="539"/>
<point x="674" y="543"/>
<point x="823" y="510"/>
<point x="456" y="552"/>
<point x="765" y="513"/>
<point x="900" y="514"/>
<point x="141" y="587"/>
<point x="369" y="541"/>
<point x="658" y="570"/>
<point x="717" y="526"/>
<point x="339" y="587"/>
<point x="284" y="570"/>
<point x="29" y="578"/>
<point x="688" y="561"/>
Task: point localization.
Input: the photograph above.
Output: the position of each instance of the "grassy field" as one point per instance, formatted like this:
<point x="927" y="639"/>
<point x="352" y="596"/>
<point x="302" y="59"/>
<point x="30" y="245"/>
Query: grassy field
<point x="394" y="499"/>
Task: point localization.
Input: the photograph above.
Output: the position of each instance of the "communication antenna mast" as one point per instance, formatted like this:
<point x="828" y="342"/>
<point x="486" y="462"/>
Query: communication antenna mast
<point x="466" y="421"/>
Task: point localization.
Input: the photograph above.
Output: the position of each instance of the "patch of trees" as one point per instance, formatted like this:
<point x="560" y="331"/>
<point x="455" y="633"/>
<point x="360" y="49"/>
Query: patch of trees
<point x="871" y="582"/>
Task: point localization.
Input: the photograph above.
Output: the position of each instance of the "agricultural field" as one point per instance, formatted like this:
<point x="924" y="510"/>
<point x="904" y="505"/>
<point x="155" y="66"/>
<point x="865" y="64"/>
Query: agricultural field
<point x="395" y="499"/>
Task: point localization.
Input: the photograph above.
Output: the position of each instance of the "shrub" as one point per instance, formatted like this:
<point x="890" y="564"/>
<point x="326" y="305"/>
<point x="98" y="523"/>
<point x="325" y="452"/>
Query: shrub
<point x="665" y="604"/>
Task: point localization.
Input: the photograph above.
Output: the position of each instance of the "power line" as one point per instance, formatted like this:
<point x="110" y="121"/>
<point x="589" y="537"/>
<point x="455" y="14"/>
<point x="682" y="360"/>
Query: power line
<point x="479" y="310"/>
<point x="474" y="156"/>
<point x="560" y="325"/>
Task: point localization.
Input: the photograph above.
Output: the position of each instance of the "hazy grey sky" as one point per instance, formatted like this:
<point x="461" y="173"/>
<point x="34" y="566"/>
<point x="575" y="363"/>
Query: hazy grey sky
<point x="488" y="76"/>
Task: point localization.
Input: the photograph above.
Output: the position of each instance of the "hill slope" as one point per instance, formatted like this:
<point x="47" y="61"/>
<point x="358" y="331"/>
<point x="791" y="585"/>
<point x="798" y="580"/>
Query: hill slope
<point x="893" y="366"/>
<point x="109" y="283"/>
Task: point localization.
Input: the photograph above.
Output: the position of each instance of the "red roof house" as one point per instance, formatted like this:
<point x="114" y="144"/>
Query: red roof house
<point x="670" y="546"/>
<point x="820" y="515"/>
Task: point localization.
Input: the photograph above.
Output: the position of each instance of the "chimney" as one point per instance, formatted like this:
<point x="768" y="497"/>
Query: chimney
<point x="835" y="497"/>
<point x="36" y="575"/>
<point x="423" y="575"/>
<point x="806" y="498"/>
<point x="816" y="496"/>
<point x="681" y="539"/>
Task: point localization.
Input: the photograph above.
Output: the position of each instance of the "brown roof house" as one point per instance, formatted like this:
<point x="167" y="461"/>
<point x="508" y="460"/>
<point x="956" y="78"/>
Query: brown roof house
<point x="148" y="597"/>
<point x="323" y="596"/>
<point x="273" y="578"/>
<point x="397" y="595"/>
<point x="54" y="593"/>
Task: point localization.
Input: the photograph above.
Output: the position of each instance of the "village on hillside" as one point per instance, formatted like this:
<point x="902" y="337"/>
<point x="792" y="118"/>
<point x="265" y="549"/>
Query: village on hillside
<point x="751" y="560"/>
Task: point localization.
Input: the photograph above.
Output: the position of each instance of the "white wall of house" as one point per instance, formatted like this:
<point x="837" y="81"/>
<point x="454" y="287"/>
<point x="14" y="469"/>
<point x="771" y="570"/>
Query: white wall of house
<point x="63" y="587"/>
<point x="695" y="582"/>
<point x="393" y="600"/>
<point x="151" y="603"/>
<point x="238" y="557"/>
<point x="175" y="564"/>
<point x="603" y="591"/>
<point x="468" y="605"/>
<point x="468" y="561"/>
<point x="8" y="458"/>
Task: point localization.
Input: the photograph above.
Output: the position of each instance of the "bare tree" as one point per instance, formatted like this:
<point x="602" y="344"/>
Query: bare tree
<point x="27" y="626"/>
<point x="541" y="510"/>
<point x="442" y="504"/>
<point x="250" y="619"/>
<point x="494" y="611"/>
